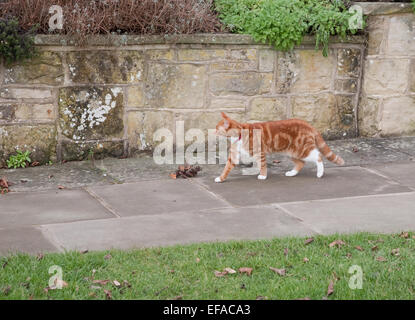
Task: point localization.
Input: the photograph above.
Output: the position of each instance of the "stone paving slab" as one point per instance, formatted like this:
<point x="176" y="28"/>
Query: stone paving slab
<point x="34" y="208"/>
<point x="71" y="175"/>
<point x="384" y="213"/>
<point x="337" y="182"/>
<point x="404" y="173"/>
<point x="26" y="239"/>
<point x="176" y="228"/>
<point x="155" y="197"/>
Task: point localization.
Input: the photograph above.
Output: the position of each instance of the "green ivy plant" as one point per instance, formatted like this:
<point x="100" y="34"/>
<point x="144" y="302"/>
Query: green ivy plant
<point x="15" y="44"/>
<point x="284" y="23"/>
<point x="20" y="160"/>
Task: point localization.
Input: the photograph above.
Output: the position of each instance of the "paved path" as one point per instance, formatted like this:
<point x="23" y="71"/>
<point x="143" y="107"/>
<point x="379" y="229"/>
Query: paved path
<point x="133" y="203"/>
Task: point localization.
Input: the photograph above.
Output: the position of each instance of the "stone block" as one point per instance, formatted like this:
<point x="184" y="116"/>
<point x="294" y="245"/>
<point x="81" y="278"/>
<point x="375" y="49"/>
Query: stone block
<point x="46" y="68"/>
<point x="106" y="67"/>
<point x="266" y="60"/>
<point x="348" y="62"/>
<point x="386" y="76"/>
<point x="267" y="109"/>
<point x="175" y="86"/>
<point x="398" y="116"/>
<point x="7" y="112"/>
<point x="329" y="114"/>
<point x="346" y="85"/>
<point x="26" y="94"/>
<point x="247" y="83"/>
<point x="201" y="54"/>
<point x="40" y="140"/>
<point x="401" y="35"/>
<point x="80" y="150"/>
<point x="369" y="116"/>
<point x="376" y="27"/>
<point x="135" y="96"/>
<point x="304" y="71"/>
<point x="143" y="124"/>
<point x="91" y="113"/>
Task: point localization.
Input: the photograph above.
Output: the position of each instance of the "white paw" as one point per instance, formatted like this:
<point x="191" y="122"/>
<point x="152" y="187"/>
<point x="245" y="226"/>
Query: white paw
<point x="218" y="180"/>
<point x="262" y="177"/>
<point x="320" y="173"/>
<point x="291" y="173"/>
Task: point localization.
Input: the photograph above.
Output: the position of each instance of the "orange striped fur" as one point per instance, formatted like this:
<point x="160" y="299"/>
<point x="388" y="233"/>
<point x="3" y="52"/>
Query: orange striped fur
<point x="294" y="137"/>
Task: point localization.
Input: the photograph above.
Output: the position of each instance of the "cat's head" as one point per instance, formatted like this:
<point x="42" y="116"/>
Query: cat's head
<point x="228" y="127"/>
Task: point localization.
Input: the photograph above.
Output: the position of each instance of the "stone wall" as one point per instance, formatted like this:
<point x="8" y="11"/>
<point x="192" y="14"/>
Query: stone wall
<point x="387" y="105"/>
<point x="110" y="96"/>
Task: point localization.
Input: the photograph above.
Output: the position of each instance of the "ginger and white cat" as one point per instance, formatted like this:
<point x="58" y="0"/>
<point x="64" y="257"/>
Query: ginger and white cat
<point x="294" y="137"/>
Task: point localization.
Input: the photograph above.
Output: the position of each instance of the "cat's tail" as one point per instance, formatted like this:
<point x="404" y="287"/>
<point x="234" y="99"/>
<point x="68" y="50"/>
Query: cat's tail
<point x="326" y="151"/>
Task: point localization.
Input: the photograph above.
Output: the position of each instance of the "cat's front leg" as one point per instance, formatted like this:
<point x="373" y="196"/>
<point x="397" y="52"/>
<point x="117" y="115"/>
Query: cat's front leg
<point x="229" y="166"/>
<point x="262" y="165"/>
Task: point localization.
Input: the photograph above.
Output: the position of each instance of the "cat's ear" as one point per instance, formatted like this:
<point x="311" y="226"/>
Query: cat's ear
<point x="224" y="116"/>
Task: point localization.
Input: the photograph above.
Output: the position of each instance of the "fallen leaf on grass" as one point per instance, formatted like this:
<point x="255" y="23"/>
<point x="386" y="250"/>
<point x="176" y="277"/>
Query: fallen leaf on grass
<point x="220" y="274"/>
<point x="101" y="282"/>
<point x="337" y="243"/>
<point x="108" y="294"/>
<point x="305" y="260"/>
<point x="404" y="235"/>
<point x="178" y="298"/>
<point x="308" y="241"/>
<point x="116" y="283"/>
<point x="7" y="290"/>
<point x="58" y="284"/>
<point x="395" y="252"/>
<point x="247" y="271"/>
<point x="381" y="259"/>
<point x="330" y="288"/>
<point x="374" y="248"/>
<point x="281" y="272"/>
<point x="359" y="248"/>
<point x="229" y="270"/>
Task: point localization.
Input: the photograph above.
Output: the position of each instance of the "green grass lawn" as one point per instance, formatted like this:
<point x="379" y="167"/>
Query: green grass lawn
<point x="188" y="272"/>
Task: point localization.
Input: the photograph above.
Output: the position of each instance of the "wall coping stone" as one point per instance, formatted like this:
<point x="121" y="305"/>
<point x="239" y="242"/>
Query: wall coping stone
<point x="384" y="8"/>
<point x="200" y="38"/>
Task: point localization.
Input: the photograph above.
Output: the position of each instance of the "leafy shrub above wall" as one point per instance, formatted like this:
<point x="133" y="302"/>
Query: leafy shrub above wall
<point x="284" y="23"/>
<point x="15" y="44"/>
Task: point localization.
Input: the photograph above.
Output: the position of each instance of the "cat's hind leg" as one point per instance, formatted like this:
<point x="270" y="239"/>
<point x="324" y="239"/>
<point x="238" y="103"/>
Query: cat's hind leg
<point x="299" y="164"/>
<point x="315" y="157"/>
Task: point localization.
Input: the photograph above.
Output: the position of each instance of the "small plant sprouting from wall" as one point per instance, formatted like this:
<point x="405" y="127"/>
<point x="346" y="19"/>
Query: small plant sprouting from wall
<point x="284" y="23"/>
<point x="20" y="160"/>
<point x="15" y="44"/>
